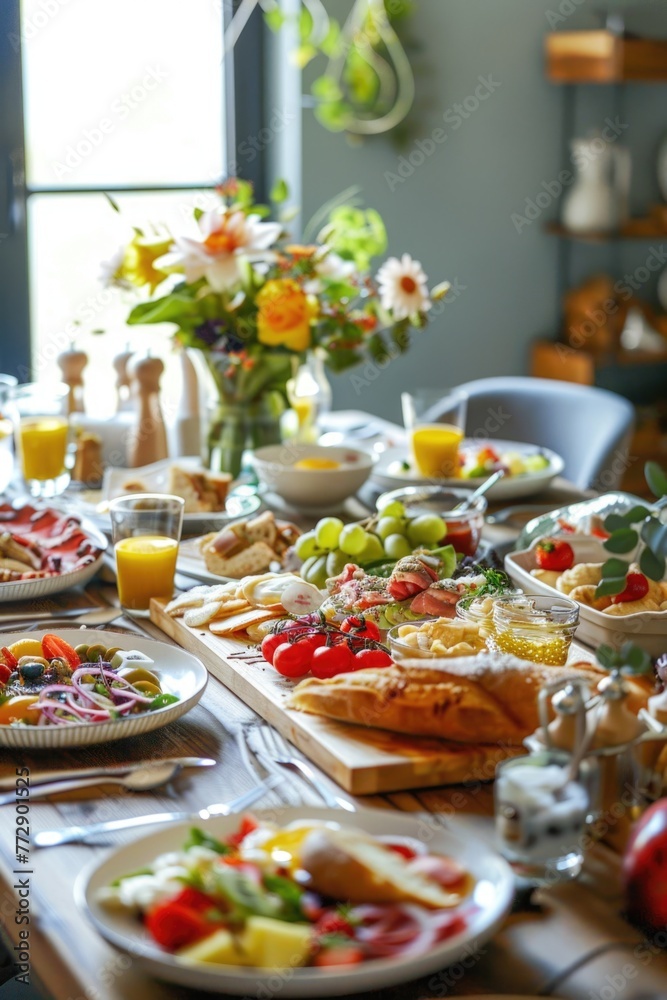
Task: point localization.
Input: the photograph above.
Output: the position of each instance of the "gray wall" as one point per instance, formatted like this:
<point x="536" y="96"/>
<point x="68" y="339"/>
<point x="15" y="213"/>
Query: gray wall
<point x="454" y="211"/>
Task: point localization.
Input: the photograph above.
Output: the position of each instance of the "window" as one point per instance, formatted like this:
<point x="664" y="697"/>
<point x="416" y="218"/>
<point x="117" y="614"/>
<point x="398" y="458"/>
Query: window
<point x="113" y="97"/>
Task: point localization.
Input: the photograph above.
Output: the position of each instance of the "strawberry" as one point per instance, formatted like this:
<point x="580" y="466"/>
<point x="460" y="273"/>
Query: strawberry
<point x="636" y="587"/>
<point x="554" y="554"/>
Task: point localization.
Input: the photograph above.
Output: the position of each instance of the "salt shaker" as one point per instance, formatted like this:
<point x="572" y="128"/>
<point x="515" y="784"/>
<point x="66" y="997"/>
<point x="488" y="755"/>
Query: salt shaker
<point x="148" y="441"/>
<point x="72" y="364"/>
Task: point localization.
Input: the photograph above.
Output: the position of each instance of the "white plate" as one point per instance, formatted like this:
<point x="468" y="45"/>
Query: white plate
<point x="94" y="503"/>
<point x="24" y="590"/>
<point x="648" y="628"/>
<point x="180" y="673"/>
<point x="493" y="892"/>
<point x="388" y="471"/>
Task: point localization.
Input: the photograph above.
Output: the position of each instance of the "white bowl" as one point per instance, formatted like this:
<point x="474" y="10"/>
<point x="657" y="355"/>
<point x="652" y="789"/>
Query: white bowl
<point x="314" y="488"/>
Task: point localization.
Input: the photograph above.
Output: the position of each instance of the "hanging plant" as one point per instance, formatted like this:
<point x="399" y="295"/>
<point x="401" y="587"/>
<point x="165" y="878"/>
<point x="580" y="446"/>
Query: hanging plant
<point x="368" y="86"/>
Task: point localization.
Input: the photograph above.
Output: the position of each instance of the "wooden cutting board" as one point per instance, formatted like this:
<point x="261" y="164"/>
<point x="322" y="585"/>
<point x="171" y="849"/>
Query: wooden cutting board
<point x="363" y="761"/>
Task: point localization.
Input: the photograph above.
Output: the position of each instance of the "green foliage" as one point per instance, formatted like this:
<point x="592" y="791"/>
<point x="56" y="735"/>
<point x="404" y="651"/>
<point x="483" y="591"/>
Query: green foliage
<point x="356" y="234"/>
<point x="650" y="540"/>
<point x="629" y="659"/>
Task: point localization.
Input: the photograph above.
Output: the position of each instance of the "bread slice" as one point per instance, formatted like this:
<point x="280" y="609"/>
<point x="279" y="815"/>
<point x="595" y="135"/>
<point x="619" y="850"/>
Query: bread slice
<point x="353" y="866"/>
<point x="255" y="559"/>
<point x="203" y="492"/>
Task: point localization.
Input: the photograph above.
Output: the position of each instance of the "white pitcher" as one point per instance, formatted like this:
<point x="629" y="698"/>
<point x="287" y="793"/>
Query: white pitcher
<point x="597" y="199"/>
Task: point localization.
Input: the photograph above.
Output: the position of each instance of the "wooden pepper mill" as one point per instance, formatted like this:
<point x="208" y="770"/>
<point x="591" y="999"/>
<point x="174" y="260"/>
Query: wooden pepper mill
<point x="123" y="394"/>
<point x="72" y="364"/>
<point x="148" y="440"/>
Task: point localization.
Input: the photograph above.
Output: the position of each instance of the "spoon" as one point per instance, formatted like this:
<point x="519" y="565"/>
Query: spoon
<point x="480" y="491"/>
<point x="142" y="780"/>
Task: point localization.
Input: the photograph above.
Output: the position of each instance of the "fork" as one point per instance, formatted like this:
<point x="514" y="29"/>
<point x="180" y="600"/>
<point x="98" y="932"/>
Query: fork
<point x="273" y="752"/>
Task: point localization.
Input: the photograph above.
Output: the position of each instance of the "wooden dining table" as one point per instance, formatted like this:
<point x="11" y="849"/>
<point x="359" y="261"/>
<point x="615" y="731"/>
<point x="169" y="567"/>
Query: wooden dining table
<point x="569" y="940"/>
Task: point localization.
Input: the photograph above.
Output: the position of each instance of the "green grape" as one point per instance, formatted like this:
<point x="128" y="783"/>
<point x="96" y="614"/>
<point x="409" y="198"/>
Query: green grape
<point x="397" y="546"/>
<point x="426" y="529"/>
<point x="389" y="526"/>
<point x="336" y="563"/>
<point x="373" y="551"/>
<point x="314" y="571"/>
<point x="306" y="546"/>
<point x="390" y="508"/>
<point x="327" y="532"/>
<point x="352" y="539"/>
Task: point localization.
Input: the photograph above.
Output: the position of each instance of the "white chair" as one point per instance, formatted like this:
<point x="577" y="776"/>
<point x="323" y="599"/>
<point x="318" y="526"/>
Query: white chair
<point x="591" y="428"/>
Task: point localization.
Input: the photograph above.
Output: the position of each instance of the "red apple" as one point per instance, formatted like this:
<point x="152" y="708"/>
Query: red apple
<point x="645" y="869"/>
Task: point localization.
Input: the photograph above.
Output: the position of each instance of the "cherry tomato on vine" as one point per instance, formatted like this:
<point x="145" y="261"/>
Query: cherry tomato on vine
<point x="372" y="658"/>
<point x="293" y="659"/>
<point x="328" y="661"/>
<point x="361" y="628"/>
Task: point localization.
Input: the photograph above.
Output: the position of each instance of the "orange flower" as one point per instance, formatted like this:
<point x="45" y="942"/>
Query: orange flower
<point x="284" y="315"/>
<point x="301" y="251"/>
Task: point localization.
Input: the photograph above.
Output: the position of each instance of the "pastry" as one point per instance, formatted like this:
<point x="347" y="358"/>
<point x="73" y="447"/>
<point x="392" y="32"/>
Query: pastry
<point x="579" y="576"/>
<point x="203" y="492"/>
<point x="585" y="594"/>
<point x="486" y="700"/>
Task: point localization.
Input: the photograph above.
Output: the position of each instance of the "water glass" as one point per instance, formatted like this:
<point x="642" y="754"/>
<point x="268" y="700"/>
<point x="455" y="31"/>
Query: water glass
<point x="42" y="436"/>
<point x="541" y="816"/>
<point x="146" y="530"/>
<point x="435" y="422"/>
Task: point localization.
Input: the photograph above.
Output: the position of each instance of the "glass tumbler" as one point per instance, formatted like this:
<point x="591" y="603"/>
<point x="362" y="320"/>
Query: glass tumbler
<point x="146" y="530"/>
<point x="435" y="422"/>
<point x="41" y="437"/>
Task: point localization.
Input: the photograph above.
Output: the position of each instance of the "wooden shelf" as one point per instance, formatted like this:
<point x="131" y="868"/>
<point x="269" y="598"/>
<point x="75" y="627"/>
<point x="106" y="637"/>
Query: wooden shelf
<point x="603" y="57"/>
<point x="647" y="228"/>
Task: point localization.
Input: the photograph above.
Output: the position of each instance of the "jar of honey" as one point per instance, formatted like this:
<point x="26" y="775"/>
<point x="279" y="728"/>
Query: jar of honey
<point x="535" y="628"/>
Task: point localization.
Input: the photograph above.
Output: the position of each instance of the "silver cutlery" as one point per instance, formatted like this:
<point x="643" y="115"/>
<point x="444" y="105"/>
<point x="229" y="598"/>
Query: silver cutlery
<point x="272" y="752"/>
<point x="113" y="771"/>
<point x="92" y="616"/>
<point x="141" y="780"/>
<point x="80" y="834"/>
<point x="480" y="491"/>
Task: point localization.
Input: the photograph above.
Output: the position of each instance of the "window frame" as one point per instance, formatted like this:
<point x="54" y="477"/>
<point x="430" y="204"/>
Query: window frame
<point x="246" y="89"/>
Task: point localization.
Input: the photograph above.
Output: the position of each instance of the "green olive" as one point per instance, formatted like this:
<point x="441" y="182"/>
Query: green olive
<point x="33" y="659"/>
<point x="96" y="653"/>
<point x="31" y="671"/>
<point x="134" y="674"/>
<point x="111" y="652"/>
<point x="82" y="651"/>
<point x="147" y="688"/>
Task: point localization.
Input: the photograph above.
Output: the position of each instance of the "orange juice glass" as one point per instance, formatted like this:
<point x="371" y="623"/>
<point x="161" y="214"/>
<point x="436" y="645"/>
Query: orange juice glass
<point x="146" y="529"/>
<point x="42" y="436"/>
<point x="435" y="422"/>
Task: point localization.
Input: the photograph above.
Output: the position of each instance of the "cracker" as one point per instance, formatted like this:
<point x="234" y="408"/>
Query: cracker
<point x="196" y="617"/>
<point x="238" y="623"/>
<point x="190" y="599"/>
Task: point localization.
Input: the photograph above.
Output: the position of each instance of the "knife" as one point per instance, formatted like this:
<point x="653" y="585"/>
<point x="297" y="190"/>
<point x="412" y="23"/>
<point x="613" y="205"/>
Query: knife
<point x="115" y="771"/>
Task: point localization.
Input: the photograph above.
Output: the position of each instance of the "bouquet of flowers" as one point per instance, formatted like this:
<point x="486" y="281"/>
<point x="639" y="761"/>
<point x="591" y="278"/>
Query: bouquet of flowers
<point x="254" y="304"/>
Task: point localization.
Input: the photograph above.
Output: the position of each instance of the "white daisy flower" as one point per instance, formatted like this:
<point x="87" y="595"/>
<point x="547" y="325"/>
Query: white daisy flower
<point x="402" y="285"/>
<point x="228" y="237"/>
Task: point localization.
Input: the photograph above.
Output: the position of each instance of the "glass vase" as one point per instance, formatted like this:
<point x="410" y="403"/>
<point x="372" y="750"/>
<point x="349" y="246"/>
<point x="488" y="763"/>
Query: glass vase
<point x="235" y="426"/>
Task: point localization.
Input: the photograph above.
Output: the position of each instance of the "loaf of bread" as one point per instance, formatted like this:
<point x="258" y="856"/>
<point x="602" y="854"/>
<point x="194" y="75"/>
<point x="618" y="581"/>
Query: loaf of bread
<point x="488" y="699"/>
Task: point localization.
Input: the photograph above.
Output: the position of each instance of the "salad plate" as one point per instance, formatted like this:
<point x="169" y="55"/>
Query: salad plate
<point x="481" y="911"/>
<point x="180" y="673"/>
<point x="394" y="469"/>
<point x="48" y="536"/>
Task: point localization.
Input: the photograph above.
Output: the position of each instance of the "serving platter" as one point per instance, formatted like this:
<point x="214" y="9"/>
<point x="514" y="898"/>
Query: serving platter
<point x="180" y="672"/>
<point x="490" y="901"/>
<point x="649" y="628"/>
<point x="363" y="760"/>
<point x="24" y="590"/>
<point x="390" y="472"/>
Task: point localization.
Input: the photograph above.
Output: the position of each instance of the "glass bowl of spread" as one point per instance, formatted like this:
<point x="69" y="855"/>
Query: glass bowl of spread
<point x="535" y="628"/>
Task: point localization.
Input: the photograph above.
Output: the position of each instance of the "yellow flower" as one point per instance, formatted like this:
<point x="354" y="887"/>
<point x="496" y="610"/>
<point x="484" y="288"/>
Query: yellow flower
<point x="139" y="260"/>
<point x="284" y="315"/>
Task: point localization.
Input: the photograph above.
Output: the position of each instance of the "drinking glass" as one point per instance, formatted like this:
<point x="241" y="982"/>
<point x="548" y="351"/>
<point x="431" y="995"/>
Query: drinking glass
<point x="541" y="815"/>
<point x="42" y="434"/>
<point x="146" y="530"/>
<point x="435" y="422"/>
<point x="7" y="423"/>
